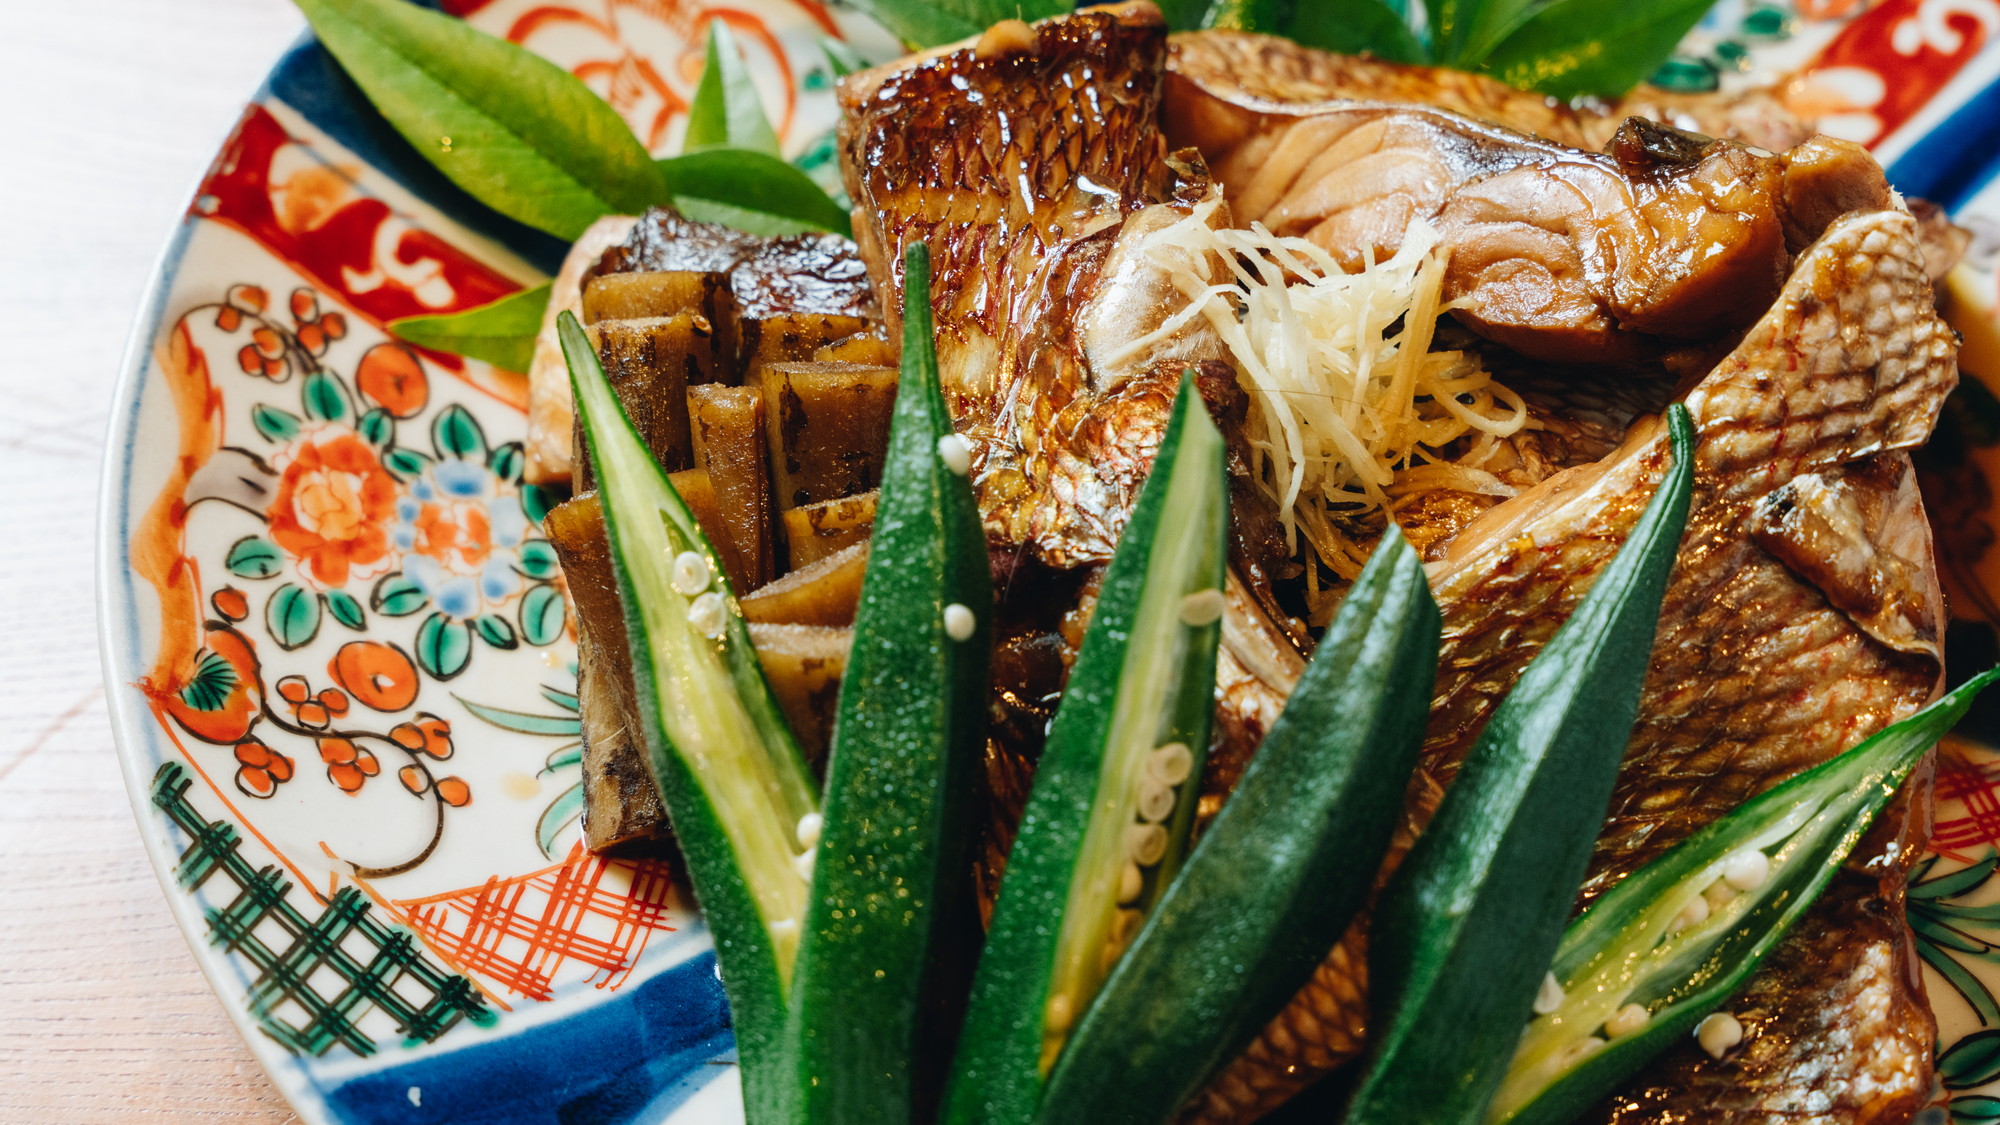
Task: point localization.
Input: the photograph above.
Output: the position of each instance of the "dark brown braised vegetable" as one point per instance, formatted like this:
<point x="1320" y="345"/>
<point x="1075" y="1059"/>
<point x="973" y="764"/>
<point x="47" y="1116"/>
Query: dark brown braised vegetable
<point x="825" y="593"/>
<point x="728" y="435"/>
<point x="651" y="364"/>
<point x="815" y="531"/>
<point x="829" y="425"/>
<point x="804" y="664"/>
<point x="621" y="803"/>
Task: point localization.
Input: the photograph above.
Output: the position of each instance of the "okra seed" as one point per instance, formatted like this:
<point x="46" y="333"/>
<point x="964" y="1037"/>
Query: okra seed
<point x="690" y="573"/>
<point x="1147" y="843"/>
<point x="1203" y="607"/>
<point x="1156" y="801"/>
<point x="959" y="622"/>
<point x="1584" y="1048"/>
<point x="1747" y="869"/>
<point x="1125" y="926"/>
<point x="1130" y="883"/>
<point x="1719" y="1034"/>
<point x="1058" y="1016"/>
<point x="706" y="614"/>
<point x="1171" y="763"/>
<point x="1626" y="1020"/>
<point x="1692" y="915"/>
<point x="956" y="455"/>
<point x="1551" y="995"/>
<point x="803" y="862"/>
<point x="1718" y="894"/>
<point x="809" y="830"/>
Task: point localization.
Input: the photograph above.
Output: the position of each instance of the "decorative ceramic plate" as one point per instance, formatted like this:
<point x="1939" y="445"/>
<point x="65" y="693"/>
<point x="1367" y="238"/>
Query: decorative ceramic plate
<point x="342" y="683"/>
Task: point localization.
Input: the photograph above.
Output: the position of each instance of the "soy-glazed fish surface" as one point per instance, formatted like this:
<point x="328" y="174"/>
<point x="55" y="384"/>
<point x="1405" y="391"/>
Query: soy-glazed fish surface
<point x="1032" y="164"/>
<point x="1803" y="614"/>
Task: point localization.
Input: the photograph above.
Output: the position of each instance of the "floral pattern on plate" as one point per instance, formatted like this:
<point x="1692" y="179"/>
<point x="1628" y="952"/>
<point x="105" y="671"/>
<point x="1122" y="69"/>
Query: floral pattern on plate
<point x="344" y="678"/>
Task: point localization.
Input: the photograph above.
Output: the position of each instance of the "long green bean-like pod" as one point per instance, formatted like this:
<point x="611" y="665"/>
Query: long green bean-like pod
<point x="729" y="771"/>
<point x="1107" y="820"/>
<point x="1276" y="879"/>
<point x="1469" y="923"/>
<point x="891" y="903"/>
<point x="1662" y="950"/>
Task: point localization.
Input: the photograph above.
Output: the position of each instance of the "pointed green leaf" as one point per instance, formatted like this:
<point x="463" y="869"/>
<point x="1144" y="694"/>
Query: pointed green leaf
<point x="292" y="615"/>
<point x="495" y="631"/>
<point x="324" y="399"/>
<point x="522" y="722"/>
<point x="561" y="813"/>
<point x="842" y="58"/>
<point x="542" y="615"/>
<point x="930" y="23"/>
<point x="376" y="427"/>
<point x="517" y="132"/>
<point x="1573" y="48"/>
<point x="456" y="433"/>
<point x="506" y="461"/>
<point x="537" y="559"/>
<point x="726" y="112"/>
<point x="1352" y="27"/>
<point x="1972" y="1061"/>
<point x="345" y="609"/>
<point x="405" y="463"/>
<point x="397" y="596"/>
<point x="444" y="646"/>
<point x="535" y="502"/>
<point x="752" y="191"/>
<point x="502" y="333"/>
<point x="254" y="557"/>
<point x="273" y="423"/>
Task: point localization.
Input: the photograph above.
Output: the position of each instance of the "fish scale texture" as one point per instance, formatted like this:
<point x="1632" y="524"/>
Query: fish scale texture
<point x="1021" y="168"/>
<point x="1755" y="676"/>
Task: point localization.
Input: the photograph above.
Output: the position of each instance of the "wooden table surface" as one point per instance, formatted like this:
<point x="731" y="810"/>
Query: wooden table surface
<point x="109" y="111"/>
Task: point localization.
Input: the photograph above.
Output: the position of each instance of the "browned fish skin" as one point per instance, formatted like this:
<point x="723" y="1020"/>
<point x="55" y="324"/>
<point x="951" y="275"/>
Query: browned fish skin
<point x="1019" y="170"/>
<point x="1031" y="166"/>
<point x="1757" y="672"/>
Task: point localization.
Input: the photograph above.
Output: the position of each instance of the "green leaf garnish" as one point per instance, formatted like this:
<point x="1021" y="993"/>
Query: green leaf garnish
<point x="843" y="59"/>
<point x="751" y="191"/>
<point x="1352" y="27"/>
<point x="1575" y="47"/>
<point x="517" y="132"/>
<point x="726" y="112"/>
<point x="501" y="333"/>
<point x="928" y="23"/>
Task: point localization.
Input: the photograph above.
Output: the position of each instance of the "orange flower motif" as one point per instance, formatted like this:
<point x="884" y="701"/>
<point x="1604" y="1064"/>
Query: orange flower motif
<point x="457" y="535"/>
<point x="331" y="507"/>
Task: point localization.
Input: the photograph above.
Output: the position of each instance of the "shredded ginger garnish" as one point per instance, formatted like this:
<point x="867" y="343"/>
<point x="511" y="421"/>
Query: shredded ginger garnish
<point x="1349" y="406"/>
